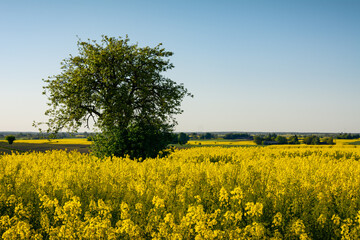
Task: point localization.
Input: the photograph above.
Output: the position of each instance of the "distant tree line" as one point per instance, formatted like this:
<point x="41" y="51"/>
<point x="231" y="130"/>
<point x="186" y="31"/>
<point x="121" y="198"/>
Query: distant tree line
<point x="33" y="135"/>
<point x="228" y="136"/>
<point x="347" y="136"/>
<point x="207" y="136"/>
<point x="272" y="139"/>
<point x="315" y="140"/>
<point x="180" y="138"/>
<point x="231" y="136"/>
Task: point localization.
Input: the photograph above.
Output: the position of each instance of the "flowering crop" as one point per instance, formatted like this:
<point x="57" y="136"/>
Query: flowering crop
<point x="82" y="141"/>
<point x="276" y="192"/>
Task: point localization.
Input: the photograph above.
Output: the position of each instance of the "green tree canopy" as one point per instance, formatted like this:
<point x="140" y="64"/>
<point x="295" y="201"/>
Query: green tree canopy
<point x="183" y="138"/>
<point x="10" y="139"/>
<point x="121" y="88"/>
<point x="258" y="140"/>
<point x="312" y="140"/>
<point x="281" y="140"/>
<point x="293" y="140"/>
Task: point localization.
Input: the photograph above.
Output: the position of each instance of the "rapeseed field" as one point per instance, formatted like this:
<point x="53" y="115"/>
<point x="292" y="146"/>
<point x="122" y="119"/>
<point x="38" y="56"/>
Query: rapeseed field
<point x="275" y="192"/>
<point x="83" y="141"/>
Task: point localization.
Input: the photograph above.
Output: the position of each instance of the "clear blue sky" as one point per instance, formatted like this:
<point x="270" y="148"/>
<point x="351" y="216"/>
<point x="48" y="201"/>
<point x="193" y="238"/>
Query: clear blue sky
<point x="252" y="65"/>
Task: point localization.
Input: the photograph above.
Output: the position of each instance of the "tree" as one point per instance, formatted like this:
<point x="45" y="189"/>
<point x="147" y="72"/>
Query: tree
<point x="281" y="140"/>
<point x="258" y="140"/>
<point x="294" y="140"/>
<point x="193" y="135"/>
<point x="120" y="87"/>
<point x="238" y="136"/>
<point x="270" y="137"/>
<point x="316" y="141"/>
<point x="329" y="141"/>
<point x="183" y="138"/>
<point x="312" y="140"/>
<point x="207" y="136"/>
<point x="10" y="139"/>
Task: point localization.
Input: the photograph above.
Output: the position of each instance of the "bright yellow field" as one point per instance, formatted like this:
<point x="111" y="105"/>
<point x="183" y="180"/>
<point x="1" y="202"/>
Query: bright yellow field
<point x="84" y="141"/>
<point x="345" y="141"/>
<point x="56" y="141"/>
<point x="199" y="193"/>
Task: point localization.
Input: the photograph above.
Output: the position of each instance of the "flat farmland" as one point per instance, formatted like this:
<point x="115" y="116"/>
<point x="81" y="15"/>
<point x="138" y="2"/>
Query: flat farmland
<point x="83" y="146"/>
<point x="42" y="145"/>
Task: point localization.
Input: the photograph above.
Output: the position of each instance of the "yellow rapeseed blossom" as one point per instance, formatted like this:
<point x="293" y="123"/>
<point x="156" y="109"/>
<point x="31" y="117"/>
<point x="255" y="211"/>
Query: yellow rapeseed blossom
<point x="278" y="219"/>
<point x="254" y="210"/>
<point x="224" y="197"/>
<point x="275" y="192"/>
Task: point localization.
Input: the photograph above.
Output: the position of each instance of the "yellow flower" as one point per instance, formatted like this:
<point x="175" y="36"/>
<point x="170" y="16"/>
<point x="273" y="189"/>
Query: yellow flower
<point x="277" y="219"/>
<point x="321" y="219"/>
<point x="254" y="210"/>
<point x="336" y="219"/>
<point x="158" y="202"/>
<point x="223" y="197"/>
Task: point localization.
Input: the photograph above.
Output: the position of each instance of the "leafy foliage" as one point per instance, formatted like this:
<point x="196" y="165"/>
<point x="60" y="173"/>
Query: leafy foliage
<point x="281" y="140"/>
<point x="141" y="141"/>
<point x="10" y="139"/>
<point x="329" y="141"/>
<point x="180" y="138"/>
<point x="238" y="136"/>
<point x="120" y="87"/>
<point x="268" y="139"/>
<point x="272" y="139"/>
<point x="258" y="140"/>
<point x="312" y="140"/>
<point x="207" y="136"/>
<point x="183" y="138"/>
<point x="347" y="136"/>
<point x="293" y="140"/>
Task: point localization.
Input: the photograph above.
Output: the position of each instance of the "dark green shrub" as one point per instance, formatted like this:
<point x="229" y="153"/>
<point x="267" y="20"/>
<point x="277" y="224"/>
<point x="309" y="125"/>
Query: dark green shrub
<point x="293" y="140"/>
<point x="10" y="139"/>
<point x="281" y="140"/>
<point x="183" y="138"/>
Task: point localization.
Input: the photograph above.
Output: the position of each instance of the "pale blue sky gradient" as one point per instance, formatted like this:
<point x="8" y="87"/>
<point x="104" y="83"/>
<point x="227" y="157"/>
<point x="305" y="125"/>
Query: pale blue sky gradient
<point x="271" y="65"/>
